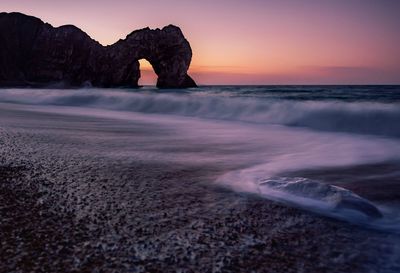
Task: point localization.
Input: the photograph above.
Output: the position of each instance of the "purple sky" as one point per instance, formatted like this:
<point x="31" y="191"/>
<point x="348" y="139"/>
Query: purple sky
<point x="253" y="41"/>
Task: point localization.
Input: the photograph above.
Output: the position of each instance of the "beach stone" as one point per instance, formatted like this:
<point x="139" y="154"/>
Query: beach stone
<point x="336" y="198"/>
<point x="34" y="53"/>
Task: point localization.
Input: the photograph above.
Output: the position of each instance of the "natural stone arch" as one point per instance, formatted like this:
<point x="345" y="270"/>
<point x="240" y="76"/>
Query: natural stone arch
<point x="33" y="53"/>
<point x="165" y="49"/>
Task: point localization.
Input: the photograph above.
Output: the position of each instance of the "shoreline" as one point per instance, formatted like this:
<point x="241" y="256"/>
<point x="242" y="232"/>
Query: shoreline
<point x="67" y="208"/>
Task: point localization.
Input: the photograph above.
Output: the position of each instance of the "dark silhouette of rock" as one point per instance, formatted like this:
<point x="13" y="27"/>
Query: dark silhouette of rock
<point x="33" y="53"/>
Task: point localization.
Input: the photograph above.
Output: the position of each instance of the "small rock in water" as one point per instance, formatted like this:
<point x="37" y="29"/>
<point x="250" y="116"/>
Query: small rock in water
<point x="335" y="197"/>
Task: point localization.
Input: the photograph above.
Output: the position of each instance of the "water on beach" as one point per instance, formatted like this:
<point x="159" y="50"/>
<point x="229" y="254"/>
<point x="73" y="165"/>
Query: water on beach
<point x="332" y="150"/>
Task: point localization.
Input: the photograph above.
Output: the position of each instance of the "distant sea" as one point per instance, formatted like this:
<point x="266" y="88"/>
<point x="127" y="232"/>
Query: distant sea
<point x="333" y="150"/>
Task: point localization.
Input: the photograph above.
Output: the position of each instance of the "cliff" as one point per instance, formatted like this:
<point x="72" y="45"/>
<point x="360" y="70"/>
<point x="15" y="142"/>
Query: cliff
<point x="34" y="53"/>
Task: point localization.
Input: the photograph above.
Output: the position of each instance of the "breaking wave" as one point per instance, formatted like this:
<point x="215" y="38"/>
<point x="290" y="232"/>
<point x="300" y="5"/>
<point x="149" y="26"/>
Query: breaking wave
<point x="335" y="116"/>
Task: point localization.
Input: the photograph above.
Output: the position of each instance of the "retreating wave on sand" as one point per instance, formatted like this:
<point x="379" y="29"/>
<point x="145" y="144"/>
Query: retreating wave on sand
<point x="250" y="178"/>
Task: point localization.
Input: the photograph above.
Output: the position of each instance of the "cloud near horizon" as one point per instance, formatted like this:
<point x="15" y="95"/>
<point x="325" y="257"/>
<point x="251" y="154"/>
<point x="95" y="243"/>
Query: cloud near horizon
<point x="305" y="75"/>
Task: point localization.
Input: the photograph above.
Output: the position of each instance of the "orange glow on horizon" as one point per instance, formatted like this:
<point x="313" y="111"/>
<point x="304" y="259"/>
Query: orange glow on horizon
<point x="252" y="42"/>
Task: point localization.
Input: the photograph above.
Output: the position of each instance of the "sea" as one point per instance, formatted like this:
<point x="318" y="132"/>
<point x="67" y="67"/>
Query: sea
<point x="330" y="150"/>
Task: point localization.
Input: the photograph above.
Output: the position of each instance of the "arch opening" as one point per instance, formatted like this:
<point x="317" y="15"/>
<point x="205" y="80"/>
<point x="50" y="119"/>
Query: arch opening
<point x="148" y="76"/>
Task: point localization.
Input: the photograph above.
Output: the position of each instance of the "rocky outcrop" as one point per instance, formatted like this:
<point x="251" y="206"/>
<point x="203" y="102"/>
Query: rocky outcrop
<point x="33" y="53"/>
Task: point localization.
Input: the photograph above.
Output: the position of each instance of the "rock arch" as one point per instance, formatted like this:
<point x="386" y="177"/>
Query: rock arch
<point x="35" y="53"/>
<point x="165" y="49"/>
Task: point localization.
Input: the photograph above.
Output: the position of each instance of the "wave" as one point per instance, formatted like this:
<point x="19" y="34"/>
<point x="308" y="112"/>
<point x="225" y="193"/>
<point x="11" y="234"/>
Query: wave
<point x="335" y="116"/>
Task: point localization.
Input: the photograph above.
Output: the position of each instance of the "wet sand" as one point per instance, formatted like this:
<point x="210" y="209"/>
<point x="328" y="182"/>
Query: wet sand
<point x="77" y="194"/>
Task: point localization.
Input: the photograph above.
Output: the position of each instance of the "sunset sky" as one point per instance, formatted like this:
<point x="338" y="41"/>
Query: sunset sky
<point x="252" y="41"/>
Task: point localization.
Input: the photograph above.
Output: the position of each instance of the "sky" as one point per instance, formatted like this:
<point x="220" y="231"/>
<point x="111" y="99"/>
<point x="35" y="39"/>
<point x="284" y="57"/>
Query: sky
<point x="251" y="41"/>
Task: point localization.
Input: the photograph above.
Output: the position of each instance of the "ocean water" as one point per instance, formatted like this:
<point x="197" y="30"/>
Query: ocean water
<point x="331" y="150"/>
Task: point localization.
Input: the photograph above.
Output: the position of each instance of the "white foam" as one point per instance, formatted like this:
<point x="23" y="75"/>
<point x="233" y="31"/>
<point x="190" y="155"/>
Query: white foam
<point x="355" y="117"/>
